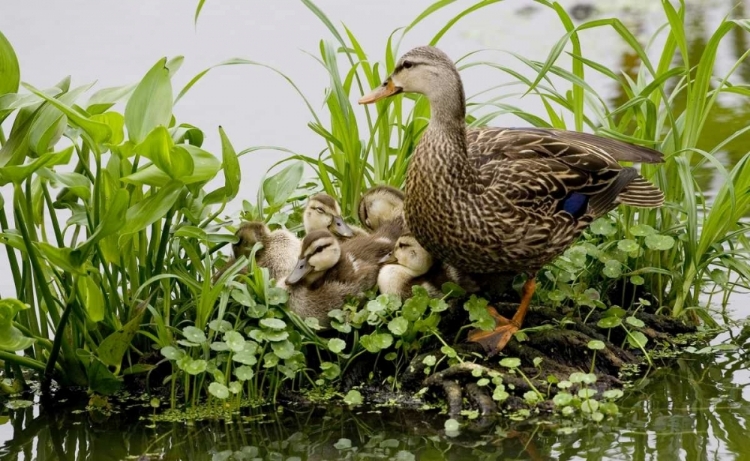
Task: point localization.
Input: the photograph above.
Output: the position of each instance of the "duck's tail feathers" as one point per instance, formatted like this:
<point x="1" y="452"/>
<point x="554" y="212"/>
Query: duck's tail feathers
<point x="642" y="193"/>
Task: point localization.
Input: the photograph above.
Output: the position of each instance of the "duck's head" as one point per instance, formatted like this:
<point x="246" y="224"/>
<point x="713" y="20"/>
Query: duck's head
<point x="320" y="252"/>
<point x="411" y="255"/>
<point x="249" y="233"/>
<point x="380" y="204"/>
<point x="425" y="70"/>
<point x="323" y="212"/>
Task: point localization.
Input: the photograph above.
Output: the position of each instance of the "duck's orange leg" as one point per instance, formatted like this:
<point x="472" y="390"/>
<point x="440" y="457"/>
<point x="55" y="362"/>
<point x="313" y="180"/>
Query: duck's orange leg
<point x="494" y="341"/>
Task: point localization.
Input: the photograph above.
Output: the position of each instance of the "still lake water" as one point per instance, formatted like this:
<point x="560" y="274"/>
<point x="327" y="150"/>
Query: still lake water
<point x="697" y="409"/>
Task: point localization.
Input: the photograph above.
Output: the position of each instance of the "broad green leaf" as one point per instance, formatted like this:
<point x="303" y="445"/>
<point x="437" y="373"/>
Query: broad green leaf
<point x="19" y="173"/>
<point x="173" y="160"/>
<point x="244" y="373"/>
<point x="152" y="208"/>
<point x="11" y="338"/>
<point x="61" y="257"/>
<point x="10" y="72"/>
<point x="101" y="380"/>
<point x="105" y="98"/>
<point x="113" y="348"/>
<point x="92" y="298"/>
<point x="150" y="105"/>
<point x="232" y="173"/>
<point x="116" y="124"/>
<point x="49" y="123"/>
<point x="99" y="132"/>
<point x="279" y="187"/>
<point x="205" y="167"/>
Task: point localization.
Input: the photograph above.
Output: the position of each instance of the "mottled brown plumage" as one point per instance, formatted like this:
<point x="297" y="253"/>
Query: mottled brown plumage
<point x="505" y="200"/>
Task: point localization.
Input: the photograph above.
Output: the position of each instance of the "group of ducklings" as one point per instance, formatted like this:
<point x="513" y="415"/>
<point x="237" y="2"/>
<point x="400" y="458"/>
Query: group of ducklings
<point x="336" y="260"/>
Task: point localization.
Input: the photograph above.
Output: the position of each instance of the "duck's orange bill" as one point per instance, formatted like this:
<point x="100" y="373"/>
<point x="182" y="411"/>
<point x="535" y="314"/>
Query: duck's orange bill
<point x="383" y="91"/>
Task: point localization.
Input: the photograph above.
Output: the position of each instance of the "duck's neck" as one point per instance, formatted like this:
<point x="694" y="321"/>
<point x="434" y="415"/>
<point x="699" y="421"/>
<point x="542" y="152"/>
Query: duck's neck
<point x="448" y="107"/>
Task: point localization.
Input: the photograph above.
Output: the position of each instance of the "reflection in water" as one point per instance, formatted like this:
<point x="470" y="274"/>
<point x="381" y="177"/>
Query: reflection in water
<point x="698" y="409"/>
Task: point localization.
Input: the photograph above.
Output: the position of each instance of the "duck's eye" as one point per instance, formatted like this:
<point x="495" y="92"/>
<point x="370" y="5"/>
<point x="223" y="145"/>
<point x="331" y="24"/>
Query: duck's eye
<point x="408" y="65"/>
<point x="319" y="210"/>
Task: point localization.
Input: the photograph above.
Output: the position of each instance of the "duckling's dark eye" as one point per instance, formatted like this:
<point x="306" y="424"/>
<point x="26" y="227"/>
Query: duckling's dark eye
<point x="319" y="210"/>
<point x="407" y="64"/>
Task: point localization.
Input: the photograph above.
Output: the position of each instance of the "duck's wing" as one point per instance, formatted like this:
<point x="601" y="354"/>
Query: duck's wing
<point x="549" y="171"/>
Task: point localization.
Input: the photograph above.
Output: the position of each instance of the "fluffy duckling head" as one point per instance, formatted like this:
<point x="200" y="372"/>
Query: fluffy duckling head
<point x="323" y="212"/>
<point x="380" y="204"/>
<point x="411" y="255"/>
<point x="320" y="252"/>
<point x="249" y="233"/>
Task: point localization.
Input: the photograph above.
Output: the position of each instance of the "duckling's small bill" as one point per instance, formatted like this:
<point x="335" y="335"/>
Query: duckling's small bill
<point x="301" y="269"/>
<point x="341" y="228"/>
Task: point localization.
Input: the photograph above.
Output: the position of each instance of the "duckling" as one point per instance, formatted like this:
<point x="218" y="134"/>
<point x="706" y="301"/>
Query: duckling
<point x="380" y="204"/>
<point x="323" y="212"/>
<point x="279" y="252"/>
<point x="410" y="264"/>
<point x="325" y="275"/>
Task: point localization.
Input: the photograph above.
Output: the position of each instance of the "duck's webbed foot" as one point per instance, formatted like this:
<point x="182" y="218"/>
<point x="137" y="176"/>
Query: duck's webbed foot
<point x="495" y="340"/>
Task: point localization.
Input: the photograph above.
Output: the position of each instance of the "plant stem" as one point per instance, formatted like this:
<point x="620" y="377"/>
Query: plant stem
<point x="59" y="334"/>
<point x="25" y="362"/>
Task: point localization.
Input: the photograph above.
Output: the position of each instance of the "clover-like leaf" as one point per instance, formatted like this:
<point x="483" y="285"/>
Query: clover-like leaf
<point x="234" y="340"/>
<point x="636" y="322"/>
<point x="398" y="326"/>
<point x="637" y="340"/>
<point x="244" y="373"/>
<point x="642" y="230"/>
<point x="510" y="362"/>
<point x="353" y="397"/>
<point x="627" y="245"/>
<point x="172" y="353"/>
<point x="245" y="358"/>
<point x="336" y="345"/>
<point x="562" y="399"/>
<point x="596" y="345"/>
<point x="478" y="313"/>
<point x="219" y="325"/>
<point x="218" y="390"/>
<point x="659" y="242"/>
<point x="283" y="349"/>
<point x="603" y="226"/>
<point x="274" y="324"/>
<point x="612" y="269"/>
<point x="194" y="334"/>
<point x="376" y="342"/>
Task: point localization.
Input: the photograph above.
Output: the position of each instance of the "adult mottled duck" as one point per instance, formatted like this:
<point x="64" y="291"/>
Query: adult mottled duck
<point x="493" y="201"/>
